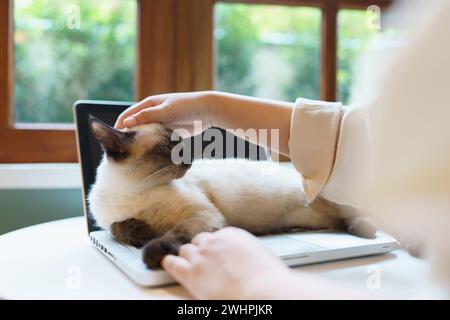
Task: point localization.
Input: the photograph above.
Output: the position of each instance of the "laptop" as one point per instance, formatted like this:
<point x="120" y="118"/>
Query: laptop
<point x="295" y="248"/>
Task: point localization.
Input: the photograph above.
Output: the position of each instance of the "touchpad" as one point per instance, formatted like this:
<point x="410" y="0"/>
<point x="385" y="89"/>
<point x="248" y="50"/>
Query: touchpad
<point x="284" y="246"/>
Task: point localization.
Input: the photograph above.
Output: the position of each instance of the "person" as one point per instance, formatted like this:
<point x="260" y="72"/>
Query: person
<point x="388" y="156"/>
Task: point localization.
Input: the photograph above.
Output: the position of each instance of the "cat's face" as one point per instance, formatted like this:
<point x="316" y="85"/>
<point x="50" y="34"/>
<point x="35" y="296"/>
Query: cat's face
<point x="141" y="153"/>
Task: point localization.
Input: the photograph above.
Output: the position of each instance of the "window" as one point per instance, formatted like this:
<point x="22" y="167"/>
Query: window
<point x="268" y="51"/>
<point x="273" y="51"/>
<point x="55" y="52"/>
<point x="69" y="50"/>
<point x="354" y="34"/>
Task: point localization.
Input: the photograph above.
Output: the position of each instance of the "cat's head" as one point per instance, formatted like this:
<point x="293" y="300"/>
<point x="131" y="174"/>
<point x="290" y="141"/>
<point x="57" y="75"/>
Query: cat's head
<point x="144" y="152"/>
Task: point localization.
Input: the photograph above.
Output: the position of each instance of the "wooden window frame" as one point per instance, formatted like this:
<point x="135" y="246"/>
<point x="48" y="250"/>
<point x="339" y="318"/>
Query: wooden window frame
<point x="174" y="53"/>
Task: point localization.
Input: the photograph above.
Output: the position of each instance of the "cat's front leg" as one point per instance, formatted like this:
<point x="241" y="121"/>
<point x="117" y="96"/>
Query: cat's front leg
<point x="132" y="231"/>
<point x="183" y="233"/>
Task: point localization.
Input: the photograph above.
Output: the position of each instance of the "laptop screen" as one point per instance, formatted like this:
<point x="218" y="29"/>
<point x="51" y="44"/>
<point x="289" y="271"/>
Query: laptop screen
<point x="90" y="152"/>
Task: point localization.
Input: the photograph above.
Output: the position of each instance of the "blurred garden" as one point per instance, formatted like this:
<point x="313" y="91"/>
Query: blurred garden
<point x="82" y="49"/>
<point x="69" y="50"/>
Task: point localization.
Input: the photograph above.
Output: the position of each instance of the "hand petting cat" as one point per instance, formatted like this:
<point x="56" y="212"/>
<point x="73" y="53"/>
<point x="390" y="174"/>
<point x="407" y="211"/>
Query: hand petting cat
<point x="213" y="109"/>
<point x="176" y="110"/>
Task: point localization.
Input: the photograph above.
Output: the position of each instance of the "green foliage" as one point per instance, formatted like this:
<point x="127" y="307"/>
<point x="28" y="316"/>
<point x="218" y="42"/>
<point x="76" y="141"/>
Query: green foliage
<point x="56" y="65"/>
<point x="264" y="50"/>
<point x="304" y="55"/>
<point x="240" y="38"/>
<point x="353" y="37"/>
<point x="237" y="42"/>
<point x="244" y="32"/>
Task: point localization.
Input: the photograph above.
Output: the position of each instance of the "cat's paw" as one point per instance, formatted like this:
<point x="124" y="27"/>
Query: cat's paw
<point x="156" y="250"/>
<point x="132" y="231"/>
<point x="138" y="243"/>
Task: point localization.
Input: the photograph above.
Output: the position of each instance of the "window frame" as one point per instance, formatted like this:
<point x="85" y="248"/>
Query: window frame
<point x="175" y="42"/>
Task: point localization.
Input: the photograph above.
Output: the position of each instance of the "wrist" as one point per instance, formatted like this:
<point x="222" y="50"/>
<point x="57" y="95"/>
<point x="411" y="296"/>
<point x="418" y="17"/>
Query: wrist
<point x="214" y="108"/>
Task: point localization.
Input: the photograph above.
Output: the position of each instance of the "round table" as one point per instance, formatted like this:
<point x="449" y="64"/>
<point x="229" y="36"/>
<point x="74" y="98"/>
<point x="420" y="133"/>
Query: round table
<point x="55" y="260"/>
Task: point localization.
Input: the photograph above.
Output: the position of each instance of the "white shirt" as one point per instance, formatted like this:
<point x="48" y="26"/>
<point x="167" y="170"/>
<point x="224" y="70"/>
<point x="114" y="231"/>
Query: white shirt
<point x="390" y="157"/>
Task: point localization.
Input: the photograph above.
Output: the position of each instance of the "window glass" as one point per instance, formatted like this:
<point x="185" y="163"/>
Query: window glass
<point x="355" y="31"/>
<point x="67" y="50"/>
<point x="269" y="51"/>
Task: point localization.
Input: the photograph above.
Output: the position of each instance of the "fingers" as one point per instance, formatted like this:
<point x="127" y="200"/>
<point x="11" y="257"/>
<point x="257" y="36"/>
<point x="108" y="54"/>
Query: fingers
<point x="180" y="266"/>
<point x="146" y="103"/>
<point x="188" y="251"/>
<point x="148" y="115"/>
<point x="130" y="111"/>
<point x="177" y="267"/>
<point x="201" y="238"/>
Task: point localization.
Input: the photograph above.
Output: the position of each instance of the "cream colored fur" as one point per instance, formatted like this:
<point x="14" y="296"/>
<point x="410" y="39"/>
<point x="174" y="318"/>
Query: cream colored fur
<point x="229" y="192"/>
<point x="214" y="193"/>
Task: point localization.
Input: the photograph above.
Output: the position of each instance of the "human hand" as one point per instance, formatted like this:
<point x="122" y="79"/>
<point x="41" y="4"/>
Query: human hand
<point x="214" y="109"/>
<point x="176" y="110"/>
<point x="227" y="264"/>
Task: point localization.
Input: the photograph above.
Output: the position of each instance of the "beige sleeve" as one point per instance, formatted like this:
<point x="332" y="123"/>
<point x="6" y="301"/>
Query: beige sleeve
<point x="313" y="140"/>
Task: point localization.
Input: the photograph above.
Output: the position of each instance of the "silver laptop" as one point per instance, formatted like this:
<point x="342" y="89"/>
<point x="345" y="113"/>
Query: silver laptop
<point x="296" y="248"/>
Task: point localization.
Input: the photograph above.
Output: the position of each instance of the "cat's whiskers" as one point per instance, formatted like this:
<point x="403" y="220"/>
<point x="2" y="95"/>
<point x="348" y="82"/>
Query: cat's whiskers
<point x="160" y="171"/>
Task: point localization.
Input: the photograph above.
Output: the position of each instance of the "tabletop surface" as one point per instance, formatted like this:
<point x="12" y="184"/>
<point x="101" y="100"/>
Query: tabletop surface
<point x="56" y="261"/>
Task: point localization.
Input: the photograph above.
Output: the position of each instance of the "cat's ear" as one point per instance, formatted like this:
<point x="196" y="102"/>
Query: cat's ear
<point x="114" y="142"/>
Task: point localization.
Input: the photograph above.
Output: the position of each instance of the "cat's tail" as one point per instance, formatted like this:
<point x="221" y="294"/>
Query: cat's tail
<point x="360" y="226"/>
<point x="348" y="217"/>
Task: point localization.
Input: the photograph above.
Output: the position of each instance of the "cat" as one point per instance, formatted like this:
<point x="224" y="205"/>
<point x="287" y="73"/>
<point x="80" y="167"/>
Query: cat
<point x="146" y="200"/>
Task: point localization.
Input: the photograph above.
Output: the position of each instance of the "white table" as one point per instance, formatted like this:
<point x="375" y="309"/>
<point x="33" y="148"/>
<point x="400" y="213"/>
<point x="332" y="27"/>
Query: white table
<point x="56" y="261"/>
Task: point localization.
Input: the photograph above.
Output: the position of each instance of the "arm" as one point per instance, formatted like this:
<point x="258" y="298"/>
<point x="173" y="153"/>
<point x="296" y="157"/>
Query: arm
<point x="237" y="111"/>
<point x="228" y="111"/>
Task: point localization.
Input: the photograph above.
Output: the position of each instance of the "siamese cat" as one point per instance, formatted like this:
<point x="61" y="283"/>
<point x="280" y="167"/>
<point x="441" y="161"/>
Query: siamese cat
<point x="146" y="200"/>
